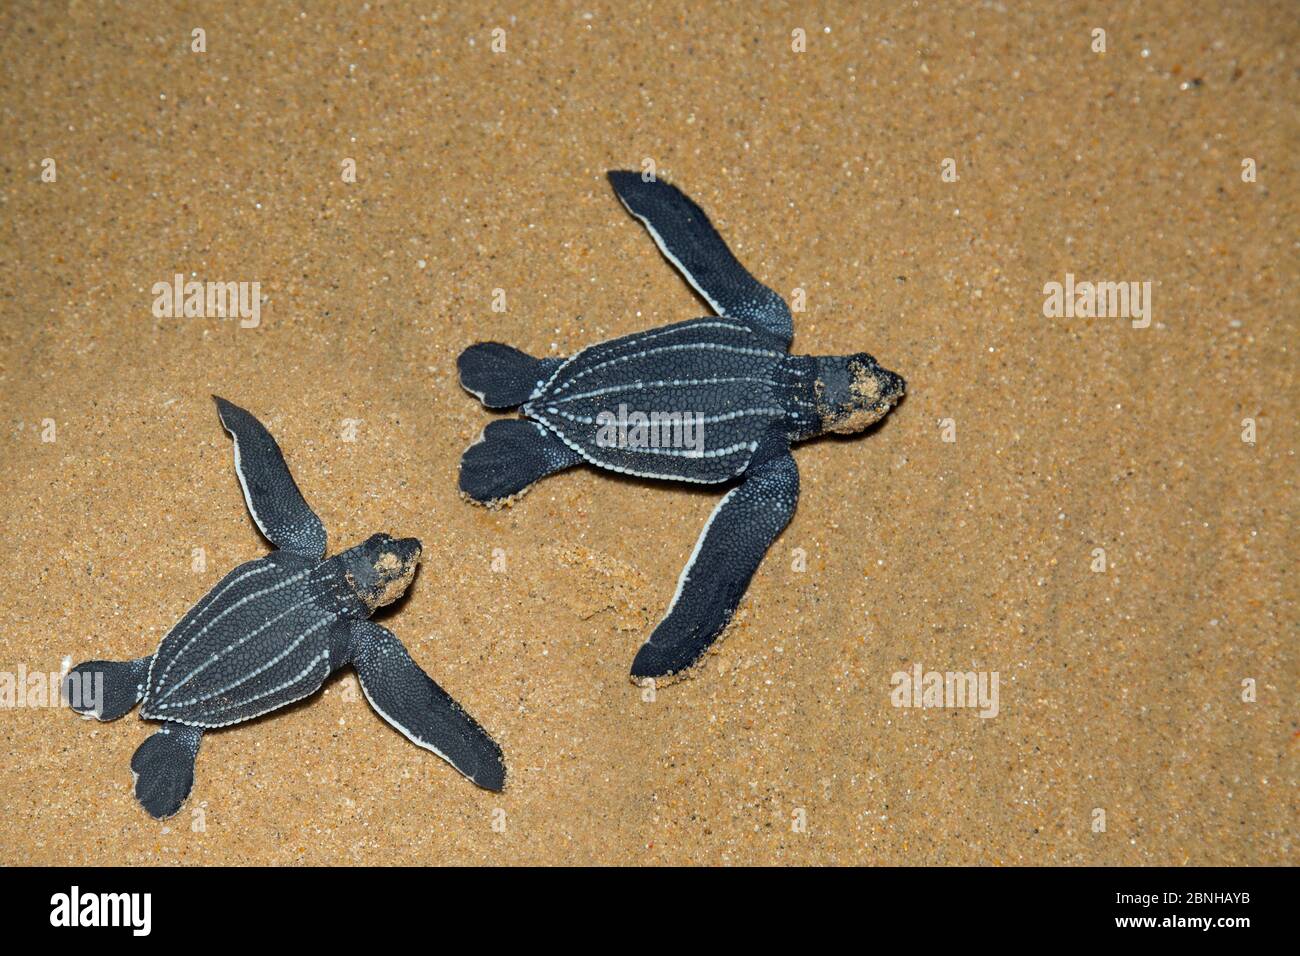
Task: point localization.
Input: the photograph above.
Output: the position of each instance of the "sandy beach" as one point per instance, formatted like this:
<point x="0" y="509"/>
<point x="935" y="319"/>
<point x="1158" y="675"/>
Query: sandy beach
<point x="1096" y="512"/>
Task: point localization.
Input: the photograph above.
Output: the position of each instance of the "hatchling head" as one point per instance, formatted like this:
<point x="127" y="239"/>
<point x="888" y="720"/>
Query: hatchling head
<point x="854" y="391"/>
<point x="381" y="568"/>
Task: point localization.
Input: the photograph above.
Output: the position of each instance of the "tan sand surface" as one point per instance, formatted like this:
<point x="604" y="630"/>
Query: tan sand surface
<point x="1121" y="691"/>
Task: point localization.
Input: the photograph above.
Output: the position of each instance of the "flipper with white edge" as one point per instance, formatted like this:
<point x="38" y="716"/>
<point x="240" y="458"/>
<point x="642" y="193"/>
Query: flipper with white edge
<point x="685" y="236"/>
<point x="406" y="697"/>
<point x="273" y="498"/>
<point x="729" y="551"/>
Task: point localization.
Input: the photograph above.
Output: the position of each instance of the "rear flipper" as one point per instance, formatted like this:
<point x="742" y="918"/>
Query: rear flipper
<point x="500" y="376"/>
<point x="106" y="690"/>
<point x="164" y="769"/>
<point x="407" y="698"/>
<point x="512" y="454"/>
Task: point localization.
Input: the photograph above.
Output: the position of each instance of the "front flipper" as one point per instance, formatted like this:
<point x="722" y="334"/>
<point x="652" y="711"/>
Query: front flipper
<point x="512" y="454"/>
<point x="164" y="769"/>
<point x="274" y="501"/>
<point x="407" y="698"/>
<point x="729" y="550"/>
<point x="685" y="236"/>
<point x="106" y="690"/>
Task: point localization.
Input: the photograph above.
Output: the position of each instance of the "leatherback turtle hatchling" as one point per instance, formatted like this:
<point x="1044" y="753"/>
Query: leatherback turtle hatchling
<point x="270" y="632"/>
<point x="730" y="379"/>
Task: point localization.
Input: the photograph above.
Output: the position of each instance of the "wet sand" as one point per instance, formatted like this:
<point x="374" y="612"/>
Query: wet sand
<point x="1120" y="690"/>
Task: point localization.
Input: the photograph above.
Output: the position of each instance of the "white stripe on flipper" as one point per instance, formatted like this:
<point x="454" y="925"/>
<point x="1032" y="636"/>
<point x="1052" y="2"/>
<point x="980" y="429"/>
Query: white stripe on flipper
<point x="705" y="346"/>
<point x="223" y="613"/>
<point x="695" y="553"/>
<point x="243" y="484"/>
<point x="400" y="728"/>
<point x="398" y="725"/>
<point x="295" y="530"/>
<point x="663" y="247"/>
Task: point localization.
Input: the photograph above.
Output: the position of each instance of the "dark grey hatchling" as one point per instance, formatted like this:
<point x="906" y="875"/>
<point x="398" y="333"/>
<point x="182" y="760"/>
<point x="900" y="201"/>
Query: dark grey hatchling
<point x="270" y="632"/>
<point x="730" y="373"/>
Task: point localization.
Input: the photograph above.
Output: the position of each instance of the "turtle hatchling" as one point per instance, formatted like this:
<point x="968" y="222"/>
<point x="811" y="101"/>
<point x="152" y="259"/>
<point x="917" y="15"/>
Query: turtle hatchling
<point x="270" y="632"/>
<point x="710" y="401"/>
